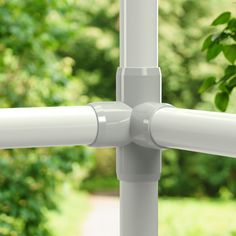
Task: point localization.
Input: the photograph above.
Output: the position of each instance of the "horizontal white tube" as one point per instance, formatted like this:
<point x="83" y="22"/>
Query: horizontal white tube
<point x="52" y="126"/>
<point x="199" y="131"/>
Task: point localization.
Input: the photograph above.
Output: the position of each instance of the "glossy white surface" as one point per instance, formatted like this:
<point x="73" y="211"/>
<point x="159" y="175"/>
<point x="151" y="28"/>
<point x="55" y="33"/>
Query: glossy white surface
<point x="52" y="126"/>
<point x="113" y="120"/>
<point x="138" y="208"/>
<point x="199" y="131"/>
<point x="138" y="49"/>
<point x="138" y="33"/>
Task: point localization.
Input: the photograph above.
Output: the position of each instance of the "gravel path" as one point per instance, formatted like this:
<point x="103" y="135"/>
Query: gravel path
<point x="103" y="219"/>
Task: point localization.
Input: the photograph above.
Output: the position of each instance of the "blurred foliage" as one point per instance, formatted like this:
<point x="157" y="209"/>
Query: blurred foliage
<point x="102" y="178"/>
<point x="73" y="207"/>
<point x="193" y="215"/>
<point x="29" y="180"/>
<point x="183" y="26"/>
<point x="33" y="72"/>
<point x="223" y="41"/>
<point x="65" y="52"/>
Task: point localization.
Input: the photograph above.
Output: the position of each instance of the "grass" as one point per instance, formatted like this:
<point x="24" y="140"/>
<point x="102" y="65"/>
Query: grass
<point x="190" y="217"/>
<point x="73" y="207"/>
<point x="177" y="216"/>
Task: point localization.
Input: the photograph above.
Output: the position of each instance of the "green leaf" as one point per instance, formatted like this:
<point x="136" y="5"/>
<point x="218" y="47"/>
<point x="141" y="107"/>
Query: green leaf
<point x="225" y="88"/>
<point x="230" y="71"/>
<point x="213" y="51"/>
<point x="222" y="101"/>
<point x="224" y="79"/>
<point x="222" y="19"/>
<point x="232" y="82"/>
<point x="232" y="24"/>
<point x="230" y="52"/>
<point x="208" y="41"/>
<point x="233" y="37"/>
<point x="219" y="37"/>
<point x="207" y="83"/>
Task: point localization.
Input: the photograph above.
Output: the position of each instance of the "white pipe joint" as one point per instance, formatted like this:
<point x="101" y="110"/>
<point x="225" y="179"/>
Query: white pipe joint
<point x="135" y="86"/>
<point x="140" y="126"/>
<point x="113" y="121"/>
<point x="139" y="132"/>
<point x="158" y="126"/>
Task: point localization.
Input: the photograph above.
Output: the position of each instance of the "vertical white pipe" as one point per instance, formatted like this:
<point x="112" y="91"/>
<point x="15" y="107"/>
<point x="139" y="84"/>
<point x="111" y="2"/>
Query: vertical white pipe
<point x="138" y="49"/>
<point x="139" y="209"/>
<point x="139" y="33"/>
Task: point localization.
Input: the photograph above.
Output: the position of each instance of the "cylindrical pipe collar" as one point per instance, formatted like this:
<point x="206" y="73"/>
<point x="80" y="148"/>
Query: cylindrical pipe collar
<point x="141" y="118"/>
<point x="113" y="120"/>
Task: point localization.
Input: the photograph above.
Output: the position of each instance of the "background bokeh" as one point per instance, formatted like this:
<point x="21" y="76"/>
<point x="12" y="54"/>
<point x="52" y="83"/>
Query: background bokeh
<point x="65" y="52"/>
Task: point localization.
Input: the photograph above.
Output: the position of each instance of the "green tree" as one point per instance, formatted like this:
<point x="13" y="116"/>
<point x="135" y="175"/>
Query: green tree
<point x="222" y="42"/>
<point x="34" y="73"/>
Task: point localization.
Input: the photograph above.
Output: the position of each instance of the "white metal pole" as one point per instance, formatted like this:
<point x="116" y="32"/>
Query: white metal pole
<point x="52" y="126"/>
<point x="139" y="33"/>
<point x="138" y="49"/>
<point x="200" y="131"/>
<point x="138" y="208"/>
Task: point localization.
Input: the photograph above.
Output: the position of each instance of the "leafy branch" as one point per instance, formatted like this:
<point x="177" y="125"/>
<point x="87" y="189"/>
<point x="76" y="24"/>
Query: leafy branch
<point x="222" y="42"/>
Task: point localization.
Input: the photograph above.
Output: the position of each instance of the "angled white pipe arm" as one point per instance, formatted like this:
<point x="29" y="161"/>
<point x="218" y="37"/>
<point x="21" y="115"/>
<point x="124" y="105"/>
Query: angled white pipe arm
<point x="158" y="126"/>
<point x="199" y="131"/>
<point x="101" y="124"/>
<point x="52" y="126"/>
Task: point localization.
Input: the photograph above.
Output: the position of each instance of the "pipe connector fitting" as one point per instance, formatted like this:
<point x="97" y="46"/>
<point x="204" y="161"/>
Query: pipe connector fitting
<point x="140" y="124"/>
<point x="113" y="120"/>
<point x="120" y="125"/>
